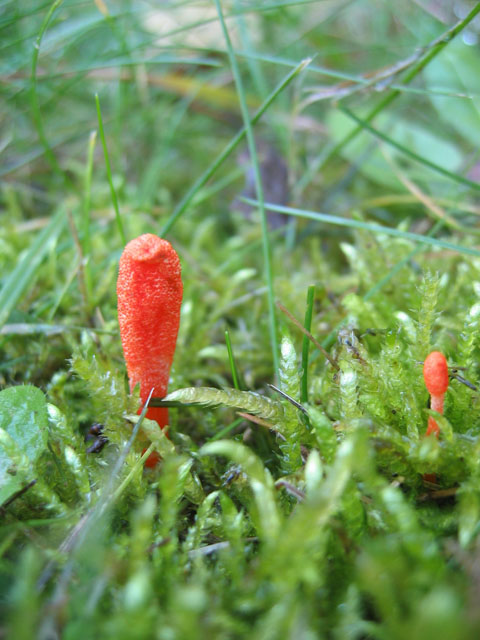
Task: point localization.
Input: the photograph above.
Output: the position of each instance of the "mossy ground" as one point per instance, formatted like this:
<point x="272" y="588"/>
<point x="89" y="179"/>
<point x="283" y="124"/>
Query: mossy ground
<point x="281" y="522"/>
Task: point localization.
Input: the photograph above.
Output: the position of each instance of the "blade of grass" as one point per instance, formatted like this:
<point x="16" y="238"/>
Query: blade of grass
<point x="28" y="329"/>
<point x="226" y="430"/>
<point x="228" y="150"/>
<point x="375" y="228"/>
<point x="24" y="272"/>
<point x="59" y="295"/>
<point x="38" y="152"/>
<point x="285" y="62"/>
<point x="167" y="58"/>
<point x="268" y="271"/>
<point x="256" y="72"/>
<point x="411" y="154"/>
<point x="109" y="173"/>
<point x="80" y="271"/>
<point x="231" y="359"/>
<point x="8" y="21"/>
<point x="397" y="199"/>
<point x="134" y="470"/>
<point x="307" y="334"/>
<point x="37" y="118"/>
<point x="306" y="345"/>
<point x="86" y="240"/>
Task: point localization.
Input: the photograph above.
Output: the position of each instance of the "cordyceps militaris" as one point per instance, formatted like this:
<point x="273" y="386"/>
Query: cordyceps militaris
<point x="149" y="291"/>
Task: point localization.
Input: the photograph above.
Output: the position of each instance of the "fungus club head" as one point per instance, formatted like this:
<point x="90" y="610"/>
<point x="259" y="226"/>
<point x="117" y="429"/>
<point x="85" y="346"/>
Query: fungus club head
<point x="435" y="373"/>
<point x="149" y="290"/>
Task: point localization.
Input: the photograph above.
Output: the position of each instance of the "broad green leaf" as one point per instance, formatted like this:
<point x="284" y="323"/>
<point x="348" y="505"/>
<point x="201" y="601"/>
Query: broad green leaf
<point x="23" y="435"/>
<point x="456" y="71"/>
<point x="23" y="414"/>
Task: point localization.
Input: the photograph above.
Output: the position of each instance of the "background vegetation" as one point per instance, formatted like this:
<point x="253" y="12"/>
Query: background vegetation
<point x="357" y="123"/>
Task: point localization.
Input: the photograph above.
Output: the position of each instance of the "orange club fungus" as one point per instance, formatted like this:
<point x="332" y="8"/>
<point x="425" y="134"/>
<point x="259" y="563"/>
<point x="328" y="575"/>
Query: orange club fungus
<point x="435" y="374"/>
<point x="149" y="291"/>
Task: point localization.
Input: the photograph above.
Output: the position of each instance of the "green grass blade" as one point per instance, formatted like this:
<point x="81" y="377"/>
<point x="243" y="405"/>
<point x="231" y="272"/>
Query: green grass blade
<point x="123" y="61"/>
<point x="86" y="240"/>
<point x="306" y="345"/>
<point x="374" y="228"/>
<point x="35" y="106"/>
<point x="314" y="68"/>
<point x="30" y="156"/>
<point x="411" y="154"/>
<point x="267" y="261"/>
<point x="24" y="272"/>
<point x="226" y="430"/>
<point x="109" y="173"/>
<point x="231" y="359"/>
<point x="255" y="69"/>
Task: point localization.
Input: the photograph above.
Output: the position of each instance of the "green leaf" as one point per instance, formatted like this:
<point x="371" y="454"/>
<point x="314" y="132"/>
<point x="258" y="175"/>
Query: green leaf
<point x="456" y="70"/>
<point x="23" y="414"/>
<point x="23" y="435"/>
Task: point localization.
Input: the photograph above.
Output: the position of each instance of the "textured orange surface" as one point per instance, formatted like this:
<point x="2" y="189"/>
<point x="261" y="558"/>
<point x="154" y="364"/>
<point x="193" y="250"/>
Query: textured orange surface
<point x="149" y="291"/>
<point x="435" y="373"/>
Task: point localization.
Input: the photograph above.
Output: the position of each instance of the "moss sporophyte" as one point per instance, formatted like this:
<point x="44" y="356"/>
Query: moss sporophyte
<point x="149" y="291"/>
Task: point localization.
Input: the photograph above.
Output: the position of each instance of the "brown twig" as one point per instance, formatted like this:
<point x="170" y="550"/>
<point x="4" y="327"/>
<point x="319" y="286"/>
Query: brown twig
<point x="260" y="422"/>
<point x="291" y="489"/>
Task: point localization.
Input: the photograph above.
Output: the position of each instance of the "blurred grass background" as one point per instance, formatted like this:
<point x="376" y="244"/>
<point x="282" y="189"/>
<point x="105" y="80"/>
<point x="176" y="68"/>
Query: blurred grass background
<point x="370" y="114"/>
<point x="170" y="108"/>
